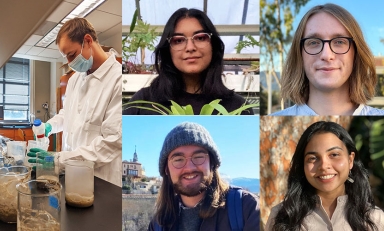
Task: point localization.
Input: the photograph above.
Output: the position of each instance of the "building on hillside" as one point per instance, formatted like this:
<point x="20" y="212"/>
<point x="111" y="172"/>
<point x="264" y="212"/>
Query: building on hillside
<point x="133" y="168"/>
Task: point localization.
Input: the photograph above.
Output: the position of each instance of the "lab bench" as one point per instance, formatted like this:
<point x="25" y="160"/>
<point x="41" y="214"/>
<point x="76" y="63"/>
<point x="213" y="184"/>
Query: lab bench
<point x="104" y="214"/>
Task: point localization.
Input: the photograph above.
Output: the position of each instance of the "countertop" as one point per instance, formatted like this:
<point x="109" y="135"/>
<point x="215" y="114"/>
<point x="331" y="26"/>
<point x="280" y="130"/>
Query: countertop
<point x="104" y="214"/>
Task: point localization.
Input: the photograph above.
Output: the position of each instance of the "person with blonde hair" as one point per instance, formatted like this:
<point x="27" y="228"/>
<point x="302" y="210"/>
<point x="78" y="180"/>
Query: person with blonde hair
<point x="329" y="69"/>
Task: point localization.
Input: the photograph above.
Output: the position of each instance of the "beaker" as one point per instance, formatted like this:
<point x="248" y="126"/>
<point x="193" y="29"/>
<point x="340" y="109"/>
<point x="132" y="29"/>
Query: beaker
<point x="38" y="206"/>
<point x="9" y="178"/>
<point x="46" y="169"/>
<point x="79" y="183"/>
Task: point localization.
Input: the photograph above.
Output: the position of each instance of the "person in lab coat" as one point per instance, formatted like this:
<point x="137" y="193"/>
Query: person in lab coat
<point x="91" y="114"/>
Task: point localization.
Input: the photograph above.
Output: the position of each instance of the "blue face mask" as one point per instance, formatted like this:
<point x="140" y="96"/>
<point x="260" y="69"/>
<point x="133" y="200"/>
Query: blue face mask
<point x="80" y="64"/>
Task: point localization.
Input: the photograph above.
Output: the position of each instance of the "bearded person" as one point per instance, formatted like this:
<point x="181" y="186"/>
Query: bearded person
<point x="192" y="195"/>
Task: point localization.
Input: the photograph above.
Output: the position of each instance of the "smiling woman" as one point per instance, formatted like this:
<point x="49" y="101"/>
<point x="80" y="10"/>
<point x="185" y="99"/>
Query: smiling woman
<point x="189" y="60"/>
<point x="328" y="185"/>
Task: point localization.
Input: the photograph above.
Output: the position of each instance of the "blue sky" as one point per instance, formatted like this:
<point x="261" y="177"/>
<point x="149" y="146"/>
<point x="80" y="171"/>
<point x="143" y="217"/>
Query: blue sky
<point x="237" y="138"/>
<point x="368" y="15"/>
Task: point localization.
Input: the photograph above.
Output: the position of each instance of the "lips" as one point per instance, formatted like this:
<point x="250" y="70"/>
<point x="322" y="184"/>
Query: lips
<point x="327" y="69"/>
<point x="326" y="177"/>
<point x="191" y="58"/>
<point x="190" y="176"/>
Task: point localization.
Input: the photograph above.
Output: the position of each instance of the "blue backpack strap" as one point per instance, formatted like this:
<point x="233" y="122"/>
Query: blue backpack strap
<point x="157" y="227"/>
<point x="235" y="208"/>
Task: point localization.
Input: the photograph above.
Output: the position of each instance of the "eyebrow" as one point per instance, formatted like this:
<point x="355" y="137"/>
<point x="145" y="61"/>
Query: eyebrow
<point x="317" y="35"/>
<point x="182" y="153"/>
<point x="328" y="150"/>
<point x="196" y="32"/>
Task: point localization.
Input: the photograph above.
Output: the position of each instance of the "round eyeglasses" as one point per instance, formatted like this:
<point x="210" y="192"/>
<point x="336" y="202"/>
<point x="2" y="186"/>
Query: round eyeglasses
<point x="180" y="161"/>
<point x="338" y="45"/>
<point x="179" y="42"/>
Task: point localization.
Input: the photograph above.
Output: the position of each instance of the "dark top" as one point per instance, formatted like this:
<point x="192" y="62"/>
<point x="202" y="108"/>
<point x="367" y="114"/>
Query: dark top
<point x="220" y="221"/>
<point x="195" y="100"/>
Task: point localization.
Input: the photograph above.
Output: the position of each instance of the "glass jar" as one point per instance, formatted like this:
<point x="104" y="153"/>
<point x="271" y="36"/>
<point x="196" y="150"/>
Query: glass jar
<point x="9" y="178"/>
<point x="38" y="207"/>
<point x="79" y="183"/>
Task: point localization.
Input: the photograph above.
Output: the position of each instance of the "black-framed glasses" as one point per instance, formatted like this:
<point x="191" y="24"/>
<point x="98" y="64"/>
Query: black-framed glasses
<point x="180" y="161"/>
<point x="338" y="45"/>
<point x="179" y="42"/>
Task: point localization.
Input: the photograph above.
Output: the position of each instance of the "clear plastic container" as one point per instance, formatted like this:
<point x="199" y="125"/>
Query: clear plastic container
<point x="79" y="183"/>
<point x="38" y="206"/>
<point x="16" y="150"/>
<point x="47" y="170"/>
<point x="9" y="178"/>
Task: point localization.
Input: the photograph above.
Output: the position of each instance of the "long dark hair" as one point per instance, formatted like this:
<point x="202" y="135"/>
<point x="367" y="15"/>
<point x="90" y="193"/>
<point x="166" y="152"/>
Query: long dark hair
<point x="301" y="197"/>
<point x="170" y="84"/>
<point x="167" y="206"/>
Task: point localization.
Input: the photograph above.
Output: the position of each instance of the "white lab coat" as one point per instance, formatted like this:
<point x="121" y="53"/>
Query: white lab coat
<point x="91" y="120"/>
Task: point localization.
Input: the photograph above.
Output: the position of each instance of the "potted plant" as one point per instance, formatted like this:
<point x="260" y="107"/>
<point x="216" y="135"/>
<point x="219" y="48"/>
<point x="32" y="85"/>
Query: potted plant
<point x="140" y="37"/>
<point x="176" y="109"/>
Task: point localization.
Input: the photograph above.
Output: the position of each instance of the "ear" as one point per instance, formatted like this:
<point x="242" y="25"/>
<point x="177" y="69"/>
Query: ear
<point x="88" y="39"/>
<point x="166" y="170"/>
<point x="351" y="157"/>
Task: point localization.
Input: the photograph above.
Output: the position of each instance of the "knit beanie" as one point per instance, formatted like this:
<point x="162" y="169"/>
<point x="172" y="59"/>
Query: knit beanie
<point x="187" y="133"/>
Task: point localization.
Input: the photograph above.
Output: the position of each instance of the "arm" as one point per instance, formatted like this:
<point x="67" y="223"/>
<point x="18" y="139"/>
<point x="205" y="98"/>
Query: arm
<point x="101" y="143"/>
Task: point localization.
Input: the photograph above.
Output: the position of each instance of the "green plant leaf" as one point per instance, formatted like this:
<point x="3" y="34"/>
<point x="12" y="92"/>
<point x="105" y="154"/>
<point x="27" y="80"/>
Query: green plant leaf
<point x="133" y="23"/>
<point x="149" y="108"/>
<point x="242" y="108"/>
<point x="151" y="103"/>
<point x="220" y="109"/>
<point x="188" y="110"/>
<point x="177" y="108"/>
<point x="207" y="109"/>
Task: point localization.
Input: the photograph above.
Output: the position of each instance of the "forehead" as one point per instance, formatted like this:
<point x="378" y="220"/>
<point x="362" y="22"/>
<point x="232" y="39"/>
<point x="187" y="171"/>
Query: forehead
<point x="325" y="26"/>
<point x="324" y="141"/>
<point x="188" y="26"/>
<point x="187" y="150"/>
<point x="66" y="44"/>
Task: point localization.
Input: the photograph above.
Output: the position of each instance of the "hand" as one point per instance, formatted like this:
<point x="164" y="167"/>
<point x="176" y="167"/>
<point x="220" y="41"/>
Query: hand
<point x="48" y="129"/>
<point x="41" y="156"/>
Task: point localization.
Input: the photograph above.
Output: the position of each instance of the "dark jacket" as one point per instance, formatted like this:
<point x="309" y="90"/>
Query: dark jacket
<point x="195" y="100"/>
<point x="220" y="221"/>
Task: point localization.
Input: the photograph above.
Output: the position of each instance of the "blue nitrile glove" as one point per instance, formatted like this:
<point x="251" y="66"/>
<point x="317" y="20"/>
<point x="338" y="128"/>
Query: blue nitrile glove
<point x="33" y="153"/>
<point x="48" y="129"/>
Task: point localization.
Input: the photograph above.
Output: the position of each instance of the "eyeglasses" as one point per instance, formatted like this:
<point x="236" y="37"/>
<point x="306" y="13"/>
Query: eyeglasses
<point x="338" y="45"/>
<point x="179" y="42"/>
<point x="181" y="161"/>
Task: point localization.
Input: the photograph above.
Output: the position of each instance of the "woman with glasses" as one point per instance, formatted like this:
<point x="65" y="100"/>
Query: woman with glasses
<point x="329" y="69"/>
<point x="189" y="60"/>
<point x="328" y="187"/>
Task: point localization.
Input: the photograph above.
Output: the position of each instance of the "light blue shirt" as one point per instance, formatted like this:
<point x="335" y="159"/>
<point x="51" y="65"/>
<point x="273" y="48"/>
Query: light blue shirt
<point x="305" y="110"/>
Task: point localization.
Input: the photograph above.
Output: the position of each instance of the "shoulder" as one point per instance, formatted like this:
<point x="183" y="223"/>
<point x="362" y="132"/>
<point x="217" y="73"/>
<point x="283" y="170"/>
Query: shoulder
<point x="295" y="110"/>
<point x="377" y="216"/>
<point x="368" y="110"/>
<point x="235" y="101"/>
<point x="271" y="218"/>
<point x="142" y="94"/>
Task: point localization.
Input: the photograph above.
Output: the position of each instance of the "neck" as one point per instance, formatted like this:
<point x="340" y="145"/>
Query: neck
<point x="329" y="204"/>
<point x="99" y="57"/>
<point x="335" y="102"/>
<point x="191" y="202"/>
<point x="192" y="83"/>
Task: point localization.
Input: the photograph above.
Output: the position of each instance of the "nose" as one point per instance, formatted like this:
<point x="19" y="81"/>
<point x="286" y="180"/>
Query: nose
<point x="190" y="45"/>
<point x="189" y="164"/>
<point x="324" y="164"/>
<point x="327" y="53"/>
